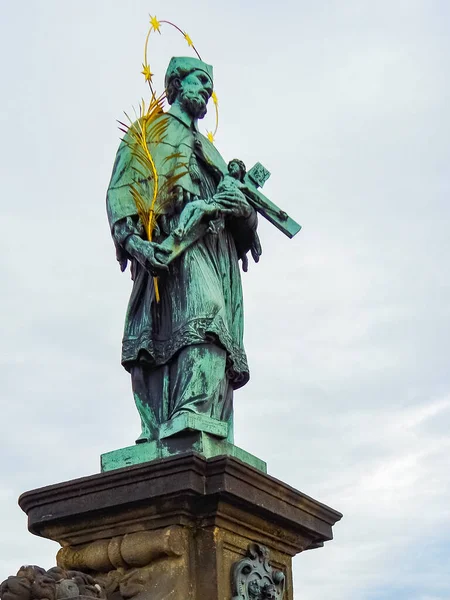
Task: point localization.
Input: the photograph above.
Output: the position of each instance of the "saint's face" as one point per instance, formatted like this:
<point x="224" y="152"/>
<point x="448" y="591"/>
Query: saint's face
<point x="196" y="90"/>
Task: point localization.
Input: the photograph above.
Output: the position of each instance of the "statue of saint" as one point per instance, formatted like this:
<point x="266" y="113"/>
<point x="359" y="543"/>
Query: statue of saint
<point x="183" y="345"/>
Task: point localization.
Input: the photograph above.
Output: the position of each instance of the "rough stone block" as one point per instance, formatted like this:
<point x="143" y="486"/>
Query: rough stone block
<point x="181" y="528"/>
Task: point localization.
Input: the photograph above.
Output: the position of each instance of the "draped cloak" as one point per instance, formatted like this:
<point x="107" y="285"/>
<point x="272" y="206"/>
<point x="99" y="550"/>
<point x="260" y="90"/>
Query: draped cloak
<point x="201" y="295"/>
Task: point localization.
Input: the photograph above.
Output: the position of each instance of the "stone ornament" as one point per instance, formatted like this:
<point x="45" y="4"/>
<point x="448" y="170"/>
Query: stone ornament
<point x="253" y="578"/>
<point x="35" y="583"/>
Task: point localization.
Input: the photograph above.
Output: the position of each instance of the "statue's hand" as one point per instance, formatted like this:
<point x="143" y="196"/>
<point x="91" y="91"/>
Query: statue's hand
<point x="149" y="254"/>
<point x="232" y="202"/>
<point x="154" y="255"/>
<point x="192" y="214"/>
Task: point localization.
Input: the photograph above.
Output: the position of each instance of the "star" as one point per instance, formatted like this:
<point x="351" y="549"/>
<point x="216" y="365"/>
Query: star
<point x="188" y="39"/>
<point x="146" y="72"/>
<point x="155" y="24"/>
<point x="214" y="98"/>
<point x="210" y="136"/>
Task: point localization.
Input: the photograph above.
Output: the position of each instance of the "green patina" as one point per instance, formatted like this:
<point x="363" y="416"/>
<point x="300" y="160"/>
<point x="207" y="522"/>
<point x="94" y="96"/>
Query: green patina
<point x="193" y="422"/>
<point x="203" y="443"/>
<point x="183" y="336"/>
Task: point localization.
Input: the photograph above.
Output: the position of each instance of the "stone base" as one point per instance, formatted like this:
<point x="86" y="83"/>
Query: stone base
<point x="184" y="528"/>
<point x="197" y="441"/>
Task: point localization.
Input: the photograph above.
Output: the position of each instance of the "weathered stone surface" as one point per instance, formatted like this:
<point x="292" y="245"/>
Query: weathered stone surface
<point x="35" y="583"/>
<point x="198" y="441"/>
<point x="176" y="527"/>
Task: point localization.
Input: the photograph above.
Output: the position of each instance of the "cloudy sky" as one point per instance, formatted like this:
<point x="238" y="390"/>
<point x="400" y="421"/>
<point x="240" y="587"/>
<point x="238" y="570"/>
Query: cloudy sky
<point x="347" y="325"/>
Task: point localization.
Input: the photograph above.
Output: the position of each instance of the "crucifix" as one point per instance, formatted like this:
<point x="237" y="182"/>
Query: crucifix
<point x="255" y="178"/>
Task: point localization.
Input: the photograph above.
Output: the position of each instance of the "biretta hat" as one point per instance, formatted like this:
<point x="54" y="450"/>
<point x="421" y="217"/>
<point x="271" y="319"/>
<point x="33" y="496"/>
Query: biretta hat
<point x="180" y="66"/>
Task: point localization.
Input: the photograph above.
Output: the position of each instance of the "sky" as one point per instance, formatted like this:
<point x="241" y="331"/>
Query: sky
<point x="347" y="330"/>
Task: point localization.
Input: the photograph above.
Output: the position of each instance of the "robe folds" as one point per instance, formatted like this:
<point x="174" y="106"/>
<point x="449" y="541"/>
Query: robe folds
<point x="201" y="295"/>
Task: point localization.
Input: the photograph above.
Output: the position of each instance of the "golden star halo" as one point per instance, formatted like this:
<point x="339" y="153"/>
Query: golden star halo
<point x="155" y="26"/>
<point x="147" y="73"/>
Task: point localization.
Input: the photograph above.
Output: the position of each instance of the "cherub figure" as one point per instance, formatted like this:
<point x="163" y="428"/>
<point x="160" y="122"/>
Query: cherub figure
<point x="194" y="211"/>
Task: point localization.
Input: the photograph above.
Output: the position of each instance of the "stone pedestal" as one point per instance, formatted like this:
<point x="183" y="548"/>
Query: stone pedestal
<point x="196" y="441"/>
<point x="183" y="527"/>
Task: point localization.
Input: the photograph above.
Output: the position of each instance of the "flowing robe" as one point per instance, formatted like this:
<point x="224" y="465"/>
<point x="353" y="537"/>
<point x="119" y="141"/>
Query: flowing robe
<point x="201" y="295"/>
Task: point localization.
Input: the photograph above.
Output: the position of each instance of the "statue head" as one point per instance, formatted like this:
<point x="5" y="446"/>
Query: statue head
<point x="189" y="82"/>
<point x="237" y="169"/>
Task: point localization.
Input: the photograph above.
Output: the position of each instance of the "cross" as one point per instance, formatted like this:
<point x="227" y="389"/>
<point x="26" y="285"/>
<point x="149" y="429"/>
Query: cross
<point x="255" y="178"/>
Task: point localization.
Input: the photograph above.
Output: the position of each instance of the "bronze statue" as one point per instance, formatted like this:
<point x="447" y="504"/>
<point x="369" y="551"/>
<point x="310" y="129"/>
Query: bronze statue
<point x="183" y="338"/>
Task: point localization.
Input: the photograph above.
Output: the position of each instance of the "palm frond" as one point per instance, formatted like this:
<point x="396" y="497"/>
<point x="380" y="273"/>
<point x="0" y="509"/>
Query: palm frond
<point x="149" y="195"/>
<point x="173" y="155"/>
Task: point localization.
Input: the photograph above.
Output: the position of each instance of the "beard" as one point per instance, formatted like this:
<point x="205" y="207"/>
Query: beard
<point x="193" y="104"/>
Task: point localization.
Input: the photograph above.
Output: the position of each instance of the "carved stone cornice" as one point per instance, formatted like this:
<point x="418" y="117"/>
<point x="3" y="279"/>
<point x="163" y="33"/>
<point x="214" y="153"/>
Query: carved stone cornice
<point x="177" y="490"/>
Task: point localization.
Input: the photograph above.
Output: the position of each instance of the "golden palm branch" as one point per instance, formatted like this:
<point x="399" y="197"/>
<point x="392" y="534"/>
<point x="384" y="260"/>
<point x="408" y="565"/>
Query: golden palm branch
<point x="150" y="126"/>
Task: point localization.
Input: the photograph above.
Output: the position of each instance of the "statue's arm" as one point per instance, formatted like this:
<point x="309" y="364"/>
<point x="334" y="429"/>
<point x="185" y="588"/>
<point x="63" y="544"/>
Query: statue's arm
<point x="128" y="235"/>
<point x="242" y="223"/>
<point x="122" y="231"/>
<point x="126" y="228"/>
<point x="241" y="220"/>
<point x="246" y="239"/>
